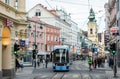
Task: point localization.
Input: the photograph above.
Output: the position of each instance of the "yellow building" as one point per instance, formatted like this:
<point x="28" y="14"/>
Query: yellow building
<point x="93" y="33"/>
<point x="12" y="18"/>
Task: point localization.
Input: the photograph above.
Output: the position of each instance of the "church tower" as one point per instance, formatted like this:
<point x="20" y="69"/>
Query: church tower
<point x="92" y="27"/>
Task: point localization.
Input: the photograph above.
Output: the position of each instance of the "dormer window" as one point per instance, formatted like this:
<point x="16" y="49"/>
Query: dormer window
<point x="38" y="13"/>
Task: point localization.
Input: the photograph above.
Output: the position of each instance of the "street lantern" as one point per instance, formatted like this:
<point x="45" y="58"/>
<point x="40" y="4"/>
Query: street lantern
<point x="29" y="26"/>
<point x="35" y="46"/>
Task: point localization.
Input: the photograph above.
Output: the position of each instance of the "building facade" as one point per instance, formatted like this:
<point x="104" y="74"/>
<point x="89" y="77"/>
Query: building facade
<point x="118" y="25"/>
<point x="52" y="37"/>
<point x="60" y="19"/>
<point x="113" y="20"/>
<point x="35" y="35"/>
<point x="12" y="18"/>
<point x="92" y="35"/>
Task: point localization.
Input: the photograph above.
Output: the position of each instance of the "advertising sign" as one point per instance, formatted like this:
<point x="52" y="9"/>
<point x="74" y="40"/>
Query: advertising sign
<point x="22" y="43"/>
<point x="114" y="29"/>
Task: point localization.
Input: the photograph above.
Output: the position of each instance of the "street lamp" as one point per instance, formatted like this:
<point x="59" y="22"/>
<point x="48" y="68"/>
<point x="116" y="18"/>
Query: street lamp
<point x="35" y="45"/>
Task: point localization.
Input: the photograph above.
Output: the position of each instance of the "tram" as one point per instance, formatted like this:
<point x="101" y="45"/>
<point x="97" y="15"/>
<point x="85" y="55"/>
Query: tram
<point x="60" y="58"/>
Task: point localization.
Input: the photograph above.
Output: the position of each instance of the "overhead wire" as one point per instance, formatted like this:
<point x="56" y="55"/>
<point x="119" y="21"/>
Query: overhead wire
<point x="48" y="4"/>
<point x="74" y="3"/>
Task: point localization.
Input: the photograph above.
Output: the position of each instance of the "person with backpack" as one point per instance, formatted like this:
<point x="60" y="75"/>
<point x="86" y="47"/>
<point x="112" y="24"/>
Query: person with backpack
<point x="90" y="63"/>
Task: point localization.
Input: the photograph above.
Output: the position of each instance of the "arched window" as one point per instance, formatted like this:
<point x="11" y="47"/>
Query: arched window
<point x="91" y="31"/>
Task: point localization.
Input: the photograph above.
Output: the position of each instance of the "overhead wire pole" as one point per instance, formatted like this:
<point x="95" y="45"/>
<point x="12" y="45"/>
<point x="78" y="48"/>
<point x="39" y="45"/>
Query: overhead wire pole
<point x="73" y="3"/>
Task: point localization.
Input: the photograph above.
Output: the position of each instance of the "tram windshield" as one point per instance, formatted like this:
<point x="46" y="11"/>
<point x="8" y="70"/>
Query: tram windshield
<point x="61" y="56"/>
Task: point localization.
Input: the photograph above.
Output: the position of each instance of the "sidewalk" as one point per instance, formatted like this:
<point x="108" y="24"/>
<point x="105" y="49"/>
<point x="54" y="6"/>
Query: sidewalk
<point x="110" y="74"/>
<point x="27" y="72"/>
<point x="108" y="70"/>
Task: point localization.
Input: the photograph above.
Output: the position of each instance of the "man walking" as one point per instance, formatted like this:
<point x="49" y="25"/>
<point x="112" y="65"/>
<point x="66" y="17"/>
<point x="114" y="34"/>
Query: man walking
<point x="46" y="62"/>
<point x="90" y="63"/>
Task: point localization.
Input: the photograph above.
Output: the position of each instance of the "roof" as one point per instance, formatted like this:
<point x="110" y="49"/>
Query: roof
<point x="61" y="47"/>
<point x="45" y="8"/>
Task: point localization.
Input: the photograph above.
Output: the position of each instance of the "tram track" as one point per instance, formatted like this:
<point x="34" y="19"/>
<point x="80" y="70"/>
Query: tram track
<point x="82" y="74"/>
<point x="58" y="75"/>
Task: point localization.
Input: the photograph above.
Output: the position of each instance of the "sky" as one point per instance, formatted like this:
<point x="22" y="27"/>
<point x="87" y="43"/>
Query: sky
<point x="79" y="10"/>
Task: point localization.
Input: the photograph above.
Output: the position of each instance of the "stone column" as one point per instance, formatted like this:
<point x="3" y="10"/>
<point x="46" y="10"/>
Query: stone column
<point x="0" y="50"/>
<point x="8" y="59"/>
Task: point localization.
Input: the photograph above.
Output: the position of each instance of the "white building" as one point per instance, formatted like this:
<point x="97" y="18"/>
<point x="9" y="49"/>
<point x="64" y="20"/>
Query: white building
<point x="57" y="18"/>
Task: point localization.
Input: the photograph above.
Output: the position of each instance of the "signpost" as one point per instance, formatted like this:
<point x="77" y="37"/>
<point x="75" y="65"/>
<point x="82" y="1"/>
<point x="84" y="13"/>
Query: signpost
<point x="114" y="31"/>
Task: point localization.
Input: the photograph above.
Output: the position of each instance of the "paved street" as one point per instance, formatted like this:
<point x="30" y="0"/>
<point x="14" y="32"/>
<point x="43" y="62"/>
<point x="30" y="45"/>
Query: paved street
<point x="78" y="70"/>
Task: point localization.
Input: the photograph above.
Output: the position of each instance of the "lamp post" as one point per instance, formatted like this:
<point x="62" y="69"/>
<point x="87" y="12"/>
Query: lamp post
<point x="35" y="45"/>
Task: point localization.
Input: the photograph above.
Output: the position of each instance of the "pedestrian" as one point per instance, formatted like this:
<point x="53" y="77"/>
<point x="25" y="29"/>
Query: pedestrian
<point x="95" y="63"/>
<point x="38" y="62"/>
<point x="111" y="63"/>
<point x="99" y="62"/>
<point x="43" y="61"/>
<point x="89" y="63"/>
<point x="17" y="64"/>
<point x="21" y="63"/>
<point x="46" y="62"/>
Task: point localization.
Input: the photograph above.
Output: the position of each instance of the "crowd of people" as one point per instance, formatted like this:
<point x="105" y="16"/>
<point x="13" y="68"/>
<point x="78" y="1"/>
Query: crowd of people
<point x="99" y="62"/>
<point x="42" y="61"/>
<point x="19" y="63"/>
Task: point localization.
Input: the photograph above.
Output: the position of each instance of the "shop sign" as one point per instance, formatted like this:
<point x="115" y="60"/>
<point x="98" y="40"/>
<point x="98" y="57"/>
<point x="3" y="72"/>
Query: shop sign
<point x="114" y="29"/>
<point x="22" y="43"/>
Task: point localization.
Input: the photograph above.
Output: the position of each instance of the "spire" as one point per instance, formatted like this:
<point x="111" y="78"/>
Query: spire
<point x="92" y="16"/>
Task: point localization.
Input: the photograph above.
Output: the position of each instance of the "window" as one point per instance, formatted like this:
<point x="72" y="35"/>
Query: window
<point x="40" y="35"/>
<point x="32" y="35"/>
<point x="91" y="31"/>
<point x="7" y="2"/>
<point x="48" y="38"/>
<point x="51" y="38"/>
<point x="16" y="4"/>
<point x="38" y="13"/>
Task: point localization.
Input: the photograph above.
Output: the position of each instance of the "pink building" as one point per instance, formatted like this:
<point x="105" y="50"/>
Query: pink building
<point x="46" y="37"/>
<point x="52" y="36"/>
<point x="36" y="26"/>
